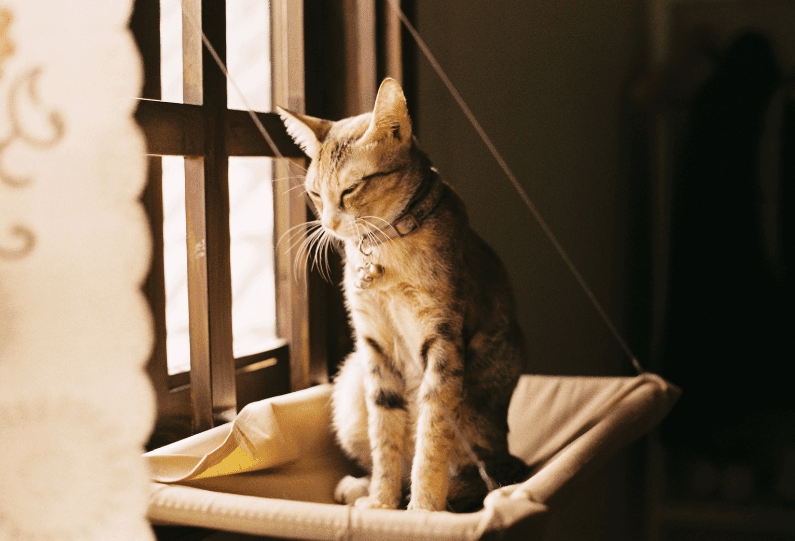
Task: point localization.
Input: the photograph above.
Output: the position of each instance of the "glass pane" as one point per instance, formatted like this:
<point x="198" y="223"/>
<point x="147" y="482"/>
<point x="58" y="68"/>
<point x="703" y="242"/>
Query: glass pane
<point x="248" y="54"/>
<point x="253" y="281"/>
<point x="176" y="265"/>
<point x="171" y="50"/>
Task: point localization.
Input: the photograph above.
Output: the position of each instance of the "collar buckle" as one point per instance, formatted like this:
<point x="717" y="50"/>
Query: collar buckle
<point x="406" y="224"/>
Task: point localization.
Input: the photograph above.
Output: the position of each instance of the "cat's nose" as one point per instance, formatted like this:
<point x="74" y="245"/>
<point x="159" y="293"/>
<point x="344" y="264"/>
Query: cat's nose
<point x="331" y="223"/>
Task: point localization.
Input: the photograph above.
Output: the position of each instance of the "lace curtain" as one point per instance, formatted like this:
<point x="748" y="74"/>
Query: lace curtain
<point x="75" y="404"/>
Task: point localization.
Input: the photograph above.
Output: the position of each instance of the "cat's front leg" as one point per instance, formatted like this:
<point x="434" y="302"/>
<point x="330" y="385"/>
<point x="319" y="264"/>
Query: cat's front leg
<point x="439" y="397"/>
<point x="386" y="426"/>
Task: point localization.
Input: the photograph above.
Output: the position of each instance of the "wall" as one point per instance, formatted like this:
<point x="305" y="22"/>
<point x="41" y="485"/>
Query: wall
<point x="546" y="81"/>
<point x="725" y="152"/>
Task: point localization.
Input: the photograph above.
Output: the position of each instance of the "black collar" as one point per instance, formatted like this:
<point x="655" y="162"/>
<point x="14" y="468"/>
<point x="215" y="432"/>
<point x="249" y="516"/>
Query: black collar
<point x="421" y="205"/>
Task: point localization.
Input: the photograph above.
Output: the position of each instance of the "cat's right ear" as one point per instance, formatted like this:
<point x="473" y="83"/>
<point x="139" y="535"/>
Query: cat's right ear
<point x="390" y="115"/>
<point x="307" y="131"/>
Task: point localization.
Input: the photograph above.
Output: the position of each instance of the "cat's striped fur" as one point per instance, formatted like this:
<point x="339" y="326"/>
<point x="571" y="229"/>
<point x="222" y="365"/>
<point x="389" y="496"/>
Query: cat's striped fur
<point x="436" y="336"/>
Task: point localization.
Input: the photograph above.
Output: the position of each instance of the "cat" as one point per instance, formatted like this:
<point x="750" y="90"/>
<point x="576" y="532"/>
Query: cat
<point x="438" y="350"/>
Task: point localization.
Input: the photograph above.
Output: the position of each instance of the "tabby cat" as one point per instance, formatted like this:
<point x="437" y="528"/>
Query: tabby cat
<point x="438" y="350"/>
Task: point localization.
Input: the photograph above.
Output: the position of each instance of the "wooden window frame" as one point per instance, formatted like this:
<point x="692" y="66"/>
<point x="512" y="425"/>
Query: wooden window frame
<point x="207" y="133"/>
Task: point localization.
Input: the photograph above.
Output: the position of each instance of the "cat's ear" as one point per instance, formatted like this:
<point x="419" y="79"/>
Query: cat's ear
<point x="390" y="115"/>
<point x="307" y="131"/>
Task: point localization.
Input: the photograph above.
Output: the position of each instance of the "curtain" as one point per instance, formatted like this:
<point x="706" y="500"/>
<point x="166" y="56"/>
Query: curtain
<point x="75" y="405"/>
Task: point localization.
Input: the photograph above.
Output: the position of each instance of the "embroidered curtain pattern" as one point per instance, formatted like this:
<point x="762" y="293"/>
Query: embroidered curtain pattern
<point x="75" y="404"/>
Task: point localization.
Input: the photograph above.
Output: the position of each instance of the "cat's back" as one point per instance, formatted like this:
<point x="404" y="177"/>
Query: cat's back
<point x="478" y="268"/>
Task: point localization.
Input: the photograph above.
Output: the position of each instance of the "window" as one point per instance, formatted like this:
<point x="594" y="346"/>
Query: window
<point x="250" y="194"/>
<point x="220" y="340"/>
<point x="232" y="324"/>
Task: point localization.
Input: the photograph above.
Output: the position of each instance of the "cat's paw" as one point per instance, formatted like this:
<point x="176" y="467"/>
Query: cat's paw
<point x="366" y="502"/>
<point x="422" y="505"/>
<point x="350" y="489"/>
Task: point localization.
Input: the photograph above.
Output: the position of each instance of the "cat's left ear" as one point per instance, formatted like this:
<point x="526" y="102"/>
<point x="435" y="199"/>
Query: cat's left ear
<point x="307" y="131"/>
<point x="390" y="115"/>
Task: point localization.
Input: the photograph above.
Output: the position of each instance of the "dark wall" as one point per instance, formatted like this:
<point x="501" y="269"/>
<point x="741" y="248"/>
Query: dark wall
<point x="546" y="81"/>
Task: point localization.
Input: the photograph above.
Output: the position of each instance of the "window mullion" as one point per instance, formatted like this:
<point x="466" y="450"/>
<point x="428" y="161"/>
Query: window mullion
<point x="201" y="366"/>
<point x="200" y="372"/>
<point x="207" y="202"/>
<point x="216" y="189"/>
<point x="292" y="298"/>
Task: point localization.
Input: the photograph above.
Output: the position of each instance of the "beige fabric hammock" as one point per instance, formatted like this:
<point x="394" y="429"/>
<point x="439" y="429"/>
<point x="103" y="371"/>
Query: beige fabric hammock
<point x="272" y="471"/>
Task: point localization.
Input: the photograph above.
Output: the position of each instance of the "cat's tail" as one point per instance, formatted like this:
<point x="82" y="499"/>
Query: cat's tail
<point x="467" y="488"/>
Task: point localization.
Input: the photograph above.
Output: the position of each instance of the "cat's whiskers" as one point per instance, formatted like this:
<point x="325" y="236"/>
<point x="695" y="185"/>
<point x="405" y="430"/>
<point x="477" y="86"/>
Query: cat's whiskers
<point x="296" y="187"/>
<point x="375" y="246"/>
<point x="289" y="178"/>
<point x="326" y="240"/>
<point x="366" y="220"/>
<point x="303" y="252"/>
<point x="313" y="248"/>
<point x="294" y="231"/>
<point x="299" y="176"/>
<point x="371" y="231"/>
<point x="324" y="268"/>
<point x="315" y="252"/>
<point x="298" y="239"/>
<point x="301" y="168"/>
<point x="299" y="242"/>
<point x="296" y="180"/>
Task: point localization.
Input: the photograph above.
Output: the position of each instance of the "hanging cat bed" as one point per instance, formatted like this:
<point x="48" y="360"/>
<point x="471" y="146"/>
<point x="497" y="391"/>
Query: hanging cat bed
<point x="272" y="472"/>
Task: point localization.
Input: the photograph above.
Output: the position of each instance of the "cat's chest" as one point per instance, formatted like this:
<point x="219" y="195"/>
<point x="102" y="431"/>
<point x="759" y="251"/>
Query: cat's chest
<point x="396" y="307"/>
<point x="391" y="307"/>
<point x="393" y="322"/>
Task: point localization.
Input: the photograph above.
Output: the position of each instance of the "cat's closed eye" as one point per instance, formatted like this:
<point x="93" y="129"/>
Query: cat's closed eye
<point x="348" y="191"/>
<point x="379" y="174"/>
